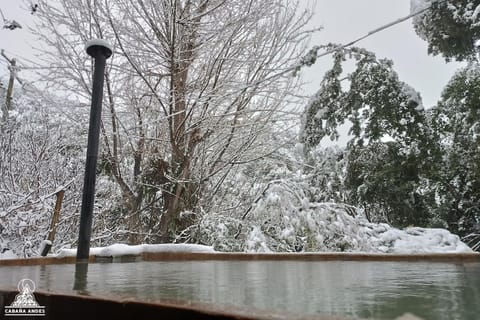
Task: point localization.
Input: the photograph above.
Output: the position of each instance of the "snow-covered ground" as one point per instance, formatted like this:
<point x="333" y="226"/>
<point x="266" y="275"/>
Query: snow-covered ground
<point x="416" y="240"/>
<point x="383" y="238"/>
<point x="7" y="255"/>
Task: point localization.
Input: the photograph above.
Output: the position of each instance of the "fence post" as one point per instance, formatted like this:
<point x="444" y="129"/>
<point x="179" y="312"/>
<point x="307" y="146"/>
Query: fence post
<point x="47" y="245"/>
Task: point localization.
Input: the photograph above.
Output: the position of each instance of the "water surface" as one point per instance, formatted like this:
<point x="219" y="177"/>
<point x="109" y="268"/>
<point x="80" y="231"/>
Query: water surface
<point x="381" y="290"/>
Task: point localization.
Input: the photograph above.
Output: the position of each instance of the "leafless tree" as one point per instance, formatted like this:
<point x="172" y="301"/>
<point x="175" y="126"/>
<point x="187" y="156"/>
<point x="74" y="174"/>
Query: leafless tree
<point x="191" y="91"/>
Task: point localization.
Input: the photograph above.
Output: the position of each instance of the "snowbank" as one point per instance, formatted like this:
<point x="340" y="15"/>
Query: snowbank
<point x="119" y="249"/>
<point x="8" y="255"/>
<point x="416" y="240"/>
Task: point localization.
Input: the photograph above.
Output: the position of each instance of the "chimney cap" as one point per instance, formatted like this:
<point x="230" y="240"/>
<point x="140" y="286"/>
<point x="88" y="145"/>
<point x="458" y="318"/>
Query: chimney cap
<point x="95" y="44"/>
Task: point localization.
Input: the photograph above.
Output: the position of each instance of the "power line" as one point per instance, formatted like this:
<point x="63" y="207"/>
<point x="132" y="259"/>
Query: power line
<point x="379" y="29"/>
<point x="308" y="61"/>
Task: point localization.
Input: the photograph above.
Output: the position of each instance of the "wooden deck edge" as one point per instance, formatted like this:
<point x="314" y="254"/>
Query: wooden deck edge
<point x="193" y="256"/>
<point x="451" y="257"/>
<point x="41" y="261"/>
<point x="74" y="306"/>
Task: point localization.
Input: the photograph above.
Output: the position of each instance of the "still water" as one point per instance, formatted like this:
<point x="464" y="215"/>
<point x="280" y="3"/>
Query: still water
<point x="380" y="290"/>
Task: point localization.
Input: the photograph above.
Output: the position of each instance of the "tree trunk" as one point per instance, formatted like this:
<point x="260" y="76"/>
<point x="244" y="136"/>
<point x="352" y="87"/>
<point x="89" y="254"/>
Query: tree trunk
<point x="182" y="141"/>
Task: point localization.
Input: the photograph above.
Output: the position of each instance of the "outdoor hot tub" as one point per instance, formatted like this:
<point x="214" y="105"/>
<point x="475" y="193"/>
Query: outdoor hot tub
<point x="249" y="286"/>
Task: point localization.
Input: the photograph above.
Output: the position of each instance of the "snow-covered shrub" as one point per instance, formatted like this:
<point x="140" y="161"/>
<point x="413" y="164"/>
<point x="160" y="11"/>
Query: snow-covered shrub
<point x="22" y="227"/>
<point x="386" y="239"/>
<point x="221" y="232"/>
<point x="282" y="219"/>
<point x="291" y="223"/>
<point x="39" y="155"/>
<point x="275" y="212"/>
<point x="325" y="170"/>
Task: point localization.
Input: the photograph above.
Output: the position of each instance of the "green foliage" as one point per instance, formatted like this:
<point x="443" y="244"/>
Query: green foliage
<point x="451" y="28"/>
<point x="372" y="98"/>
<point x="457" y="122"/>
<point x="324" y="112"/>
<point x="386" y="182"/>
<point x="383" y="178"/>
<point x="324" y="173"/>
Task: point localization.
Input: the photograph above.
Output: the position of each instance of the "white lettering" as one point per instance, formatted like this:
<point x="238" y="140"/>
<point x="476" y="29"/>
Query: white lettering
<point x="42" y="311"/>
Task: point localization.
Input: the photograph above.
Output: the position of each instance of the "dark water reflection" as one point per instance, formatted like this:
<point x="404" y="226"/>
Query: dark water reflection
<point x="383" y="290"/>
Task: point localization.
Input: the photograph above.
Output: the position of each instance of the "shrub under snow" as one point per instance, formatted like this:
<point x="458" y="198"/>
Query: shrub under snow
<point x="283" y="220"/>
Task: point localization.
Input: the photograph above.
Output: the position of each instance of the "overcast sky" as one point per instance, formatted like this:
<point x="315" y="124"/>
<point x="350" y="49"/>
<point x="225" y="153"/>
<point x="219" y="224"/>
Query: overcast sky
<point x="343" y="21"/>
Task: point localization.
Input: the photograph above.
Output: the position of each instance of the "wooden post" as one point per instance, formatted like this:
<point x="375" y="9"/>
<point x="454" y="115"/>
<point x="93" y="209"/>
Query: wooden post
<point x="46" y="245"/>
<point x="56" y="215"/>
<point x="8" y="99"/>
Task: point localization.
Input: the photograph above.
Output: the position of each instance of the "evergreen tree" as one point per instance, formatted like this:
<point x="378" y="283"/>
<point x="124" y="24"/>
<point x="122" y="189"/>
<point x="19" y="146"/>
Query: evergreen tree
<point x="387" y="182"/>
<point x="375" y="101"/>
<point x="450" y="27"/>
<point x="383" y="178"/>
<point x="457" y="122"/>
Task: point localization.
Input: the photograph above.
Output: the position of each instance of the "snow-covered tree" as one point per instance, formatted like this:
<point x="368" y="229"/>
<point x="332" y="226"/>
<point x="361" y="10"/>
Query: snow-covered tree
<point x="274" y="207"/>
<point x="451" y="27"/>
<point x="39" y="156"/>
<point x="325" y="173"/>
<point x="372" y="98"/>
<point x="388" y="184"/>
<point x="192" y="88"/>
<point x="456" y="118"/>
<point x="379" y="106"/>
<point x="281" y="216"/>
